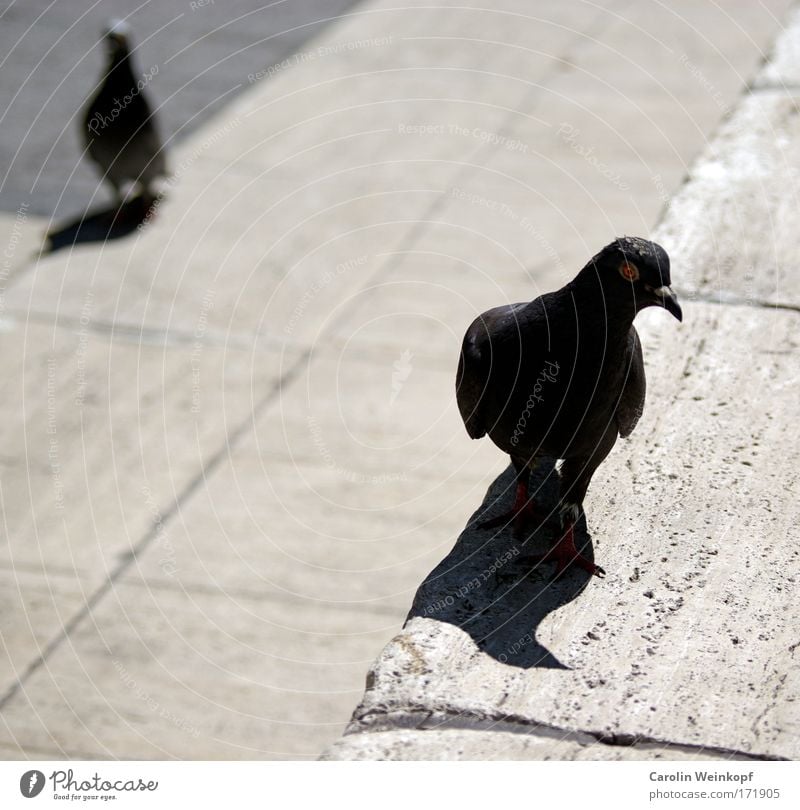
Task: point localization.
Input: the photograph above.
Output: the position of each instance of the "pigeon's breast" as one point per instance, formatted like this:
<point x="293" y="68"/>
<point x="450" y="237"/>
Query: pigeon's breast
<point x="559" y="402"/>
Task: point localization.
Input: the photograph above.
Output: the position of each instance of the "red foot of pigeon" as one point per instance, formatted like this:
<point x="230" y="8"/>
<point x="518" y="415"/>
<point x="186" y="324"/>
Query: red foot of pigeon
<point x="524" y="510"/>
<point x="565" y="554"/>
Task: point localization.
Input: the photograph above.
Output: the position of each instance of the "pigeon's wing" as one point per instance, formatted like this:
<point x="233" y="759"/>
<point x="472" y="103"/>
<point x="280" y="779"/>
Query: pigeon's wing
<point x="631" y="401"/>
<point x="475" y="365"/>
<point x="143" y="157"/>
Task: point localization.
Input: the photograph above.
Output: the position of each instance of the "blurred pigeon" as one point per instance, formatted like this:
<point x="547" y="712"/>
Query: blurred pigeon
<point x="563" y="376"/>
<point x="119" y="127"/>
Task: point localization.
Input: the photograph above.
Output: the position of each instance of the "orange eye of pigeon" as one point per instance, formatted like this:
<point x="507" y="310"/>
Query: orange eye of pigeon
<point x="629" y="271"/>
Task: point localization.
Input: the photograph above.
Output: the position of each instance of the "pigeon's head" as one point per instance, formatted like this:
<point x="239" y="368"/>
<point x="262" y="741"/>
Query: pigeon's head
<point x="117" y="37"/>
<point x="634" y="265"/>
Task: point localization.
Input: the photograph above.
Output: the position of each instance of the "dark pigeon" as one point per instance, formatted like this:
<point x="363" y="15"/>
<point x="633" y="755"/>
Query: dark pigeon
<point x="562" y="376"/>
<point x="119" y="128"/>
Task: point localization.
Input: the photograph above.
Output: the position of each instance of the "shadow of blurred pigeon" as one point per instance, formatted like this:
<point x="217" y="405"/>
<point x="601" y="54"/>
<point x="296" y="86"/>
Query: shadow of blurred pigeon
<point x="563" y="376"/>
<point x="103" y="225"/>
<point x="119" y="127"/>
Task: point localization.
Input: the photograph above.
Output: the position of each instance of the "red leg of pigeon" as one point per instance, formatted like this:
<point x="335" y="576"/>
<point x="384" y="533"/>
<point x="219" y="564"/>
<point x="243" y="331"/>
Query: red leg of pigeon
<point x="524" y="508"/>
<point x="576" y="473"/>
<point x="564" y="553"/>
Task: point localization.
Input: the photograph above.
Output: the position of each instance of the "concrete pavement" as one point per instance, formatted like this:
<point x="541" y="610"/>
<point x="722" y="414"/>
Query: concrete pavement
<point x="232" y="451"/>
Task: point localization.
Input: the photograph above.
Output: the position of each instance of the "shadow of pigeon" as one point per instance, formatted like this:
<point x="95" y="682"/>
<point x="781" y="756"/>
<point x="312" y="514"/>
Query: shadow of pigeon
<point x="490" y="587"/>
<point x="105" y="225"/>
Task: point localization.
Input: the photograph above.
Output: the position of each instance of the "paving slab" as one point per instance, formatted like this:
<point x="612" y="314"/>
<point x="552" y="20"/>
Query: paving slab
<point x="337" y="495"/>
<point x="162" y="673"/>
<point x="288" y="535"/>
<point x="21" y="239"/>
<point x="730" y="229"/>
<point x="78" y="491"/>
<point x="11" y="752"/>
<point x="31" y="609"/>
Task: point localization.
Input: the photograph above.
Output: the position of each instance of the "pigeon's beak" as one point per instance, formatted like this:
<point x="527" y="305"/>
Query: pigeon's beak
<point x="669" y="301"/>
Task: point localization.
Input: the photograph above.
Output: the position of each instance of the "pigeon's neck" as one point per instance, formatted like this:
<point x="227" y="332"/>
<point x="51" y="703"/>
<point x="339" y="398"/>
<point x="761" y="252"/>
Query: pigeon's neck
<point x="594" y="305"/>
<point x="120" y="65"/>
